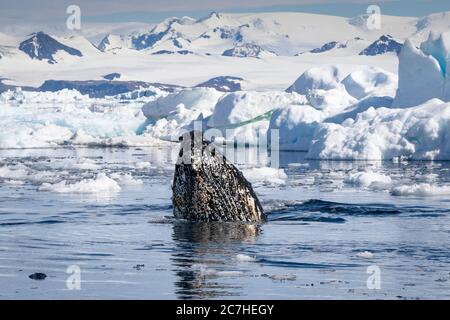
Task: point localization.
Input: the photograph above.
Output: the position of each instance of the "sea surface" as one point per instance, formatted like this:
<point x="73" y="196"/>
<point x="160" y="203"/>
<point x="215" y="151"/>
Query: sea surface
<point x="324" y="239"/>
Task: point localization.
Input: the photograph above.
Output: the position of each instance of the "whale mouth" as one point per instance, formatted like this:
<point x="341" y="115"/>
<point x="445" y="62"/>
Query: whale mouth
<point x="207" y="187"/>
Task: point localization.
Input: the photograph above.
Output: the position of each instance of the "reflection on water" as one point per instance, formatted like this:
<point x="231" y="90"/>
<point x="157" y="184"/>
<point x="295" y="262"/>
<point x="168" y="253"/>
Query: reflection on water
<point x="199" y="256"/>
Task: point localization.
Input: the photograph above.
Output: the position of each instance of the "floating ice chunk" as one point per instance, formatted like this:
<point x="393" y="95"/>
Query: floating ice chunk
<point x="31" y="135"/>
<point x="298" y="165"/>
<point x="430" y="177"/>
<point x="126" y="179"/>
<point x="101" y="184"/>
<point x="14" y="182"/>
<point x="143" y="165"/>
<point x="125" y="141"/>
<point x="421" y="190"/>
<point x="365" y="254"/>
<point x="80" y="137"/>
<point x="284" y="277"/>
<point x="369" y="179"/>
<point x="206" y="271"/>
<point x="266" y="175"/>
<point x="86" y="164"/>
<point x="244" y="258"/>
<point x="13" y="172"/>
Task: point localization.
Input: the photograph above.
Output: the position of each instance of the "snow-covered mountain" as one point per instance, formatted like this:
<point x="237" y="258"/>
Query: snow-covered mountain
<point x="223" y="84"/>
<point x="384" y="44"/>
<point x="291" y="42"/>
<point x="41" y="46"/>
<point x="113" y="43"/>
<point x="328" y="46"/>
<point x="247" y="50"/>
<point x="280" y="33"/>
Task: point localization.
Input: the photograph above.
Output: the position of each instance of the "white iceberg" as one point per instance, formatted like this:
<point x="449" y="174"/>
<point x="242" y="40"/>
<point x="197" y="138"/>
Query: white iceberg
<point x="332" y="95"/>
<point x="238" y="107"/>
<point x="418" y="133"/>
<point x="296" y="125"/>
<point x="423" y="73"/>
<point x="201" y="100"/>
<point x="173" y="114"/>
<point x="266" y="175"/>
<point x="244" y="116"/>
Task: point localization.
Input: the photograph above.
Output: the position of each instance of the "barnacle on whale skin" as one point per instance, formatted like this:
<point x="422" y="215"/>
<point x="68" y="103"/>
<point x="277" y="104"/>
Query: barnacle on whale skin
<point x="207" y="187"/>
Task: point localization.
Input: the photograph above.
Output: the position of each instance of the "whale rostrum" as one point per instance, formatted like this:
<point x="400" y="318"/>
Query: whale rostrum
<point x="207" y="187"/>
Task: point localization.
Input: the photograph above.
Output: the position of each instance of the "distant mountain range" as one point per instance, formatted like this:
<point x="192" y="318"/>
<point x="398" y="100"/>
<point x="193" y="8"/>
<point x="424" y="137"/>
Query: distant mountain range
<point x="232" y="47"/>
<point x="242" y="35"/>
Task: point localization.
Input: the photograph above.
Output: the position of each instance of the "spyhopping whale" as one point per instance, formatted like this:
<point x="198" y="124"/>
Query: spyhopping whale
<point x="207" y="187"/>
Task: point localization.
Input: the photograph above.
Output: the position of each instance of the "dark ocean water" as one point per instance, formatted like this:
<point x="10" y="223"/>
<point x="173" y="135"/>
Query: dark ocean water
<point x="323" y="239"/>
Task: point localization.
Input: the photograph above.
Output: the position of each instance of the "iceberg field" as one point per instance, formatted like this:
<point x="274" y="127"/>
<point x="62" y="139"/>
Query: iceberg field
<point x="50" y="119"/>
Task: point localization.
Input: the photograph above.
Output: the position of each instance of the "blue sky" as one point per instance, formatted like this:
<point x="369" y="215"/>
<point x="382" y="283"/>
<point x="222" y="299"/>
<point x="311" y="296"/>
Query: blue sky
<point x="18" y="12"/>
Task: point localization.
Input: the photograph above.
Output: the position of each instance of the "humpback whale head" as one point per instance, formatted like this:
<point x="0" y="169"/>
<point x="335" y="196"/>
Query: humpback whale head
<point x="207" y="187"/>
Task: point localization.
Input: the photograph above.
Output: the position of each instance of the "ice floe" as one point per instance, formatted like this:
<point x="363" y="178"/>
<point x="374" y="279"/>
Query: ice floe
<point x="126" y="179"/>
<point x="365" y="254"/>
<point x="369" y="179"/>
<point x="266" y="175"/>
<point x="421" y="190"/>
<point x="100" y="184"/>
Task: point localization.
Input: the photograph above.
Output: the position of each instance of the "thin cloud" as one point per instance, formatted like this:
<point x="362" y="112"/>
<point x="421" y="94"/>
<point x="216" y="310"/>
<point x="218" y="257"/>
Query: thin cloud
<point x="53" y="9"/>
